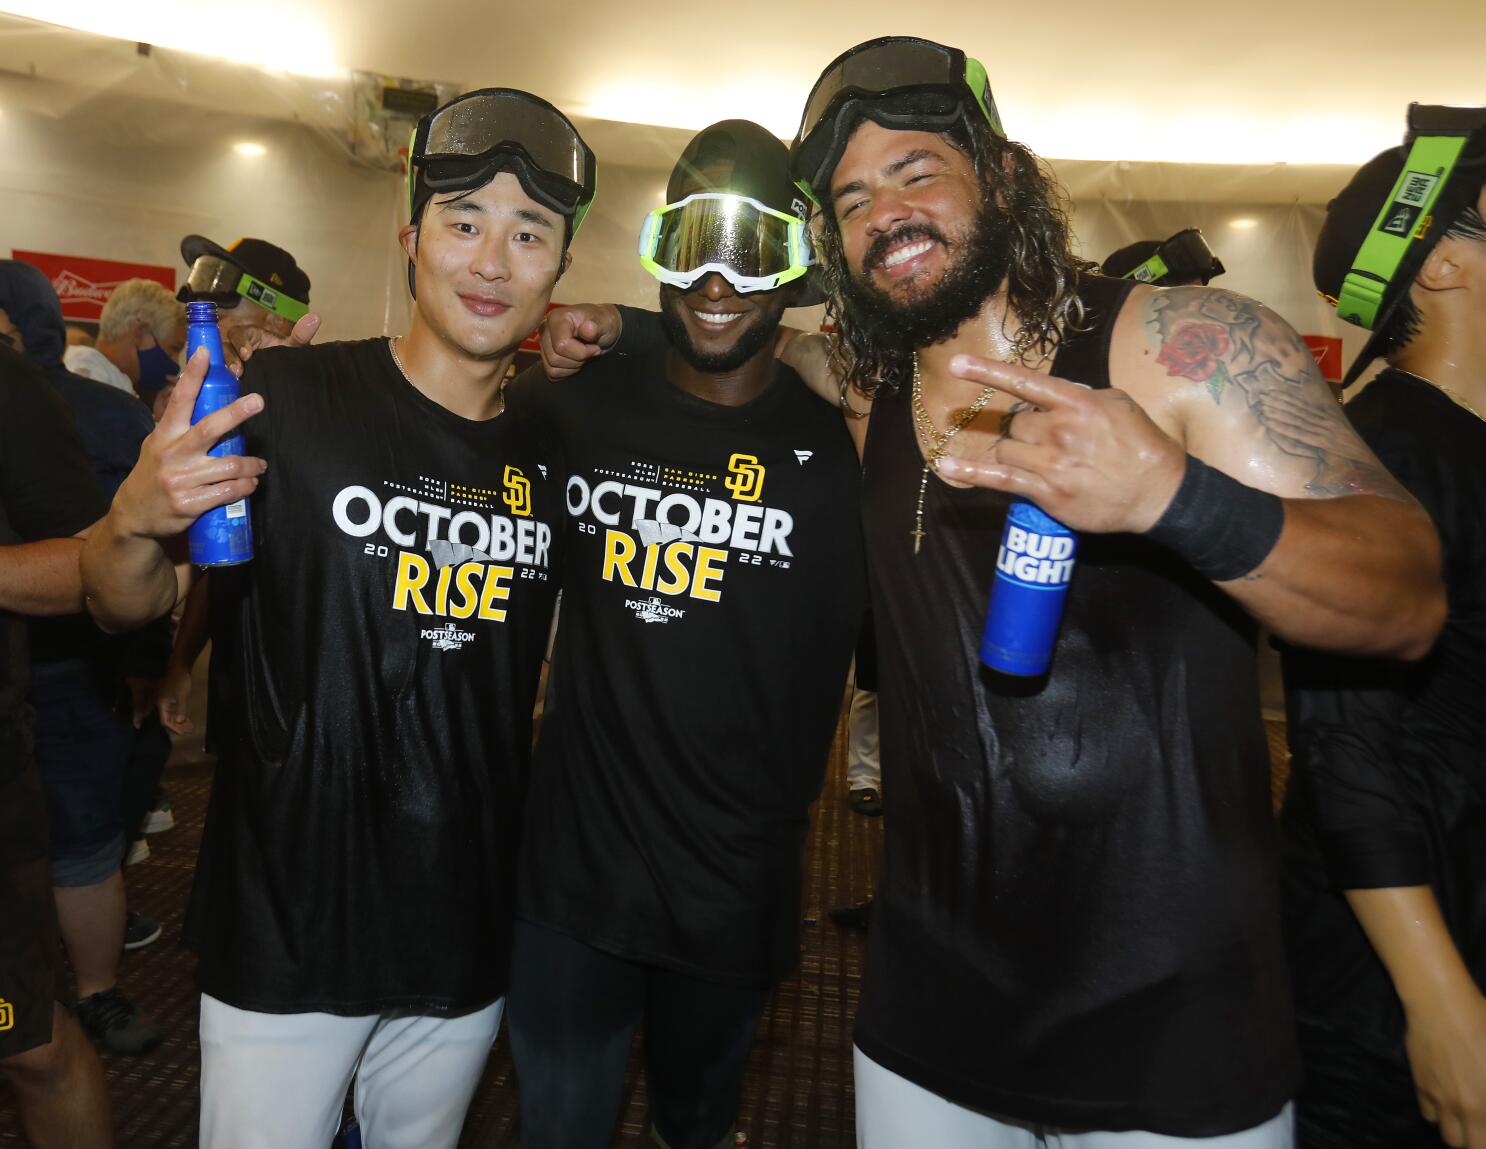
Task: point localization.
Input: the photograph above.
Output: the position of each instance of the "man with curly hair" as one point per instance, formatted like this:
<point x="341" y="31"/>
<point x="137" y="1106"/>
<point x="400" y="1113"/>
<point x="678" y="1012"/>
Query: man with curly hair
<point x="1077" y="929"/>
<point x="1076" y="939"/>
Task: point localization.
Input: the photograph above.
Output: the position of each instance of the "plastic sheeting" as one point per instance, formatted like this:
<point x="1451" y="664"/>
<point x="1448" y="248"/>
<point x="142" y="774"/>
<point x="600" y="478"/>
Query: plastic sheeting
<point x="113" y="150"/>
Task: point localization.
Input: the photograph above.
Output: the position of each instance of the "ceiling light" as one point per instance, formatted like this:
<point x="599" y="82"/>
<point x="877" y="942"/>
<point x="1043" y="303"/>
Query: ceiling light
<point x="249" y="148"/>
<point x="1243" y="223"/>
<point x="280" y="36"/>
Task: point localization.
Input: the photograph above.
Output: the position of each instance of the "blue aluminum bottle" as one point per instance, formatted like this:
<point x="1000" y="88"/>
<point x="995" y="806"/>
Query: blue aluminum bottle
<point x="224" y="535"/>
<point x="1033" y="569"/>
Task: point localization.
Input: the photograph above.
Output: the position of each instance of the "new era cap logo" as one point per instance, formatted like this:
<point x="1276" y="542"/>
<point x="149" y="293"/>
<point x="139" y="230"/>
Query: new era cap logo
<point x="1414" y="192"/>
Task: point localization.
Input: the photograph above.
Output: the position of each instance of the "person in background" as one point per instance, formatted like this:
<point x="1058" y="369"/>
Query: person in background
<point x="1182" y="260"/>
<point x="48" y="499"/>
<point x="257" y="286"/>
<point x="82" y="701"/>
<point x="1384" y="822"/>
<point x="141" y="334"/>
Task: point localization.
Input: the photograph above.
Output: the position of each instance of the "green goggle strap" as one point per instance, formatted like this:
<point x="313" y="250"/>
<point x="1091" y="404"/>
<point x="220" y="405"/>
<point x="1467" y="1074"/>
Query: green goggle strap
<point x="271" y="298"/>
<point x="979" y="84"/>
<point x="1432" y="159"/>
<point x="1149" y="271"/>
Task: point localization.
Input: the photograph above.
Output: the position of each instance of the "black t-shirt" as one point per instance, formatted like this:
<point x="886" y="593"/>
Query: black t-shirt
<point x="374" y="669"/>
<point x="47" y="491"/>
<point x="1078" y="922"/>
<point x="711" y="596"/>
<point x="1389" y="758"/>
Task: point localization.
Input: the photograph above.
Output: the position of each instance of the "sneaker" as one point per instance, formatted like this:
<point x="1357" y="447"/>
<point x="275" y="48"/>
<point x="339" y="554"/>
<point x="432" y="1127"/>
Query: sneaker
<point x="160" y="817"/>
<point x="139" y="851"/>
<point x="852" y="917"/>
<point x="866" y="800"/>
<point x="115" y="1021"/>
<point x="139" y="931"/>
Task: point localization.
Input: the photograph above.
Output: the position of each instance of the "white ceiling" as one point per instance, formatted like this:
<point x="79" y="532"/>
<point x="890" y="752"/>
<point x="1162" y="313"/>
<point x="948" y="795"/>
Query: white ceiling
<point x="1258" y="82"/>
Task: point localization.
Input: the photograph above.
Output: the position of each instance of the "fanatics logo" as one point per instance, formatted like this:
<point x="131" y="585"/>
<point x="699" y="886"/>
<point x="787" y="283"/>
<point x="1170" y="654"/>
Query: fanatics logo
<point x="448" y="637"/>
<point x="804" y="456"/>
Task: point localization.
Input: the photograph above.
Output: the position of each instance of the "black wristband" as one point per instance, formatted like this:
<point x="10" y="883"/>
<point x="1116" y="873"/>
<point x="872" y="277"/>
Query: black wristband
<point x="1222" y="528"/>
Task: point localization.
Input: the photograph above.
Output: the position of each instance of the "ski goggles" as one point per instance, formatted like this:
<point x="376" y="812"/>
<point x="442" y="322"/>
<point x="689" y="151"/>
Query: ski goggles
<point x="215" y="280"/>
<point x="751" y="245"/>
<point x="900" y="82"/>
<point x="1441" y="140"/>
<point x="465" y="143"/>
<point x="1182" y="257"/>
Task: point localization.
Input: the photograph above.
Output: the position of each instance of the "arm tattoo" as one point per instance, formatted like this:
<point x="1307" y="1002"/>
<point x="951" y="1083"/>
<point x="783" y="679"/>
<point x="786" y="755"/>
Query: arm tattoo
<point x="1228" y="342"/>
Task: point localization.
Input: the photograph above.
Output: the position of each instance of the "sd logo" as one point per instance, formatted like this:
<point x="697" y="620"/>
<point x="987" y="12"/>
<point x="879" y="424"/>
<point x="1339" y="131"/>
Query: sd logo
<point x="7" y="1015"/>
<point x="517" y="494"/>
<point x="745" y="480"/>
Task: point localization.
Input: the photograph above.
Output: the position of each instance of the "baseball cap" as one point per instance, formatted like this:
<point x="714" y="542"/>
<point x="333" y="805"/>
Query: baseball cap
<point x="1382" y="226"/>
<point x="281" y="286"/>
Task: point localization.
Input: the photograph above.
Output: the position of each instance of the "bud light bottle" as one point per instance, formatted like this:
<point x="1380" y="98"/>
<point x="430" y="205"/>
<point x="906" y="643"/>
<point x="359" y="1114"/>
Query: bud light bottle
<point x="224" y="535"/>
<point x="1033" y="569"/>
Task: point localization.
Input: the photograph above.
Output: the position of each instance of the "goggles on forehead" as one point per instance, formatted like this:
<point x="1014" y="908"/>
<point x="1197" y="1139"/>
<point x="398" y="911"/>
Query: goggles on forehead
<point x="751" y="245"/>
<point x="1441" y="139"/>
<point x="215" y="280"/>
<point x="900" y="82"/>
<point x="465" y="143"/>
<point x="1182" y="257"/>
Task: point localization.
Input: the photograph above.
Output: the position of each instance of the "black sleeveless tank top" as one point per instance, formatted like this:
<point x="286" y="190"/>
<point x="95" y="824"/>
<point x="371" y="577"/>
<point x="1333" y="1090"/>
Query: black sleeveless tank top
<point x="1078" y="922"/>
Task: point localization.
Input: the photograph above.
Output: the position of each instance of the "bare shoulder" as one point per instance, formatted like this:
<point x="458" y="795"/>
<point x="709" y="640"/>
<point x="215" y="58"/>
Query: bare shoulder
<point x="1233" y="382"/>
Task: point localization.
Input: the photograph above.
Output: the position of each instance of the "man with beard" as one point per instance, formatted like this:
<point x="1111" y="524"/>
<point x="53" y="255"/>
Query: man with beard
<point x="1077" y="932"/>
<point x="711" y="597"/>
<point x="375" y="664"/>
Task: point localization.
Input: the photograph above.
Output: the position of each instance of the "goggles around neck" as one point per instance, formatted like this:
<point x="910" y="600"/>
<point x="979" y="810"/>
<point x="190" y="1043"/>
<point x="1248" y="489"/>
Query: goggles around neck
<point x="215" y="280"/>
<point x="1182" y="257"/>
<point x="900" y="82"/>
<point x="751" y="245"/>
<point x="1440" y="140"/>
<point x="465" y="143"/>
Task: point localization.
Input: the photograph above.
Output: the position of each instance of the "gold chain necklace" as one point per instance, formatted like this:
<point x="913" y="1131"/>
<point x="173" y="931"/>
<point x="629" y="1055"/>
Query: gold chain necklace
<point x="936" y="442"/>
<point x="397" y="359"/>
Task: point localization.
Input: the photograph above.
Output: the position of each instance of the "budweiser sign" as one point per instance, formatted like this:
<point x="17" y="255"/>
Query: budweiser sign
<point x="84" y="285"/>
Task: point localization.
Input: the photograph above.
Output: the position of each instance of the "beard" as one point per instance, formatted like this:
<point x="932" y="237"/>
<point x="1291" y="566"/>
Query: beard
<point x="758" y="333"/>
<point x="978" y="262"/>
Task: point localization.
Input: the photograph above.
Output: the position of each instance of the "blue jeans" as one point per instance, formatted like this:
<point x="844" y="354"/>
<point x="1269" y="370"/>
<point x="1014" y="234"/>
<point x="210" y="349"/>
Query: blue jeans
<point x="82" y="745"/>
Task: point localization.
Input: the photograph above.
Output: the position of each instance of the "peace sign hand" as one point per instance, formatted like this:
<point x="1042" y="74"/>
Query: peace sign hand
<point x="1093" y="460"/>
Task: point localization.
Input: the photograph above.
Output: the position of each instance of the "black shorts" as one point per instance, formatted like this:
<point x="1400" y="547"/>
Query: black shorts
<point x="31" y="969"/>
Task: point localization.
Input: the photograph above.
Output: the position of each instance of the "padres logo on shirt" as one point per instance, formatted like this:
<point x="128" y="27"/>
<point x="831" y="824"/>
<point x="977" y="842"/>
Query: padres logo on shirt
<point x="517" y="494"/>
<point x="745" y="481"/>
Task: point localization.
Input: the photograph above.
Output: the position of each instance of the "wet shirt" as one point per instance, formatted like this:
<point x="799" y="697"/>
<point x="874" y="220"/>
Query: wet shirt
<point x="1078" y="922"/>
<point x="47" y="491"/>
<point x="1389" y="758"/>
<point x="711" y="596"/>
<point x="374" y="669"/>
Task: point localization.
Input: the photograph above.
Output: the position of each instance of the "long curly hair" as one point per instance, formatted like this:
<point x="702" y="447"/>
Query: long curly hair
<point x="1042" y="283"/>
